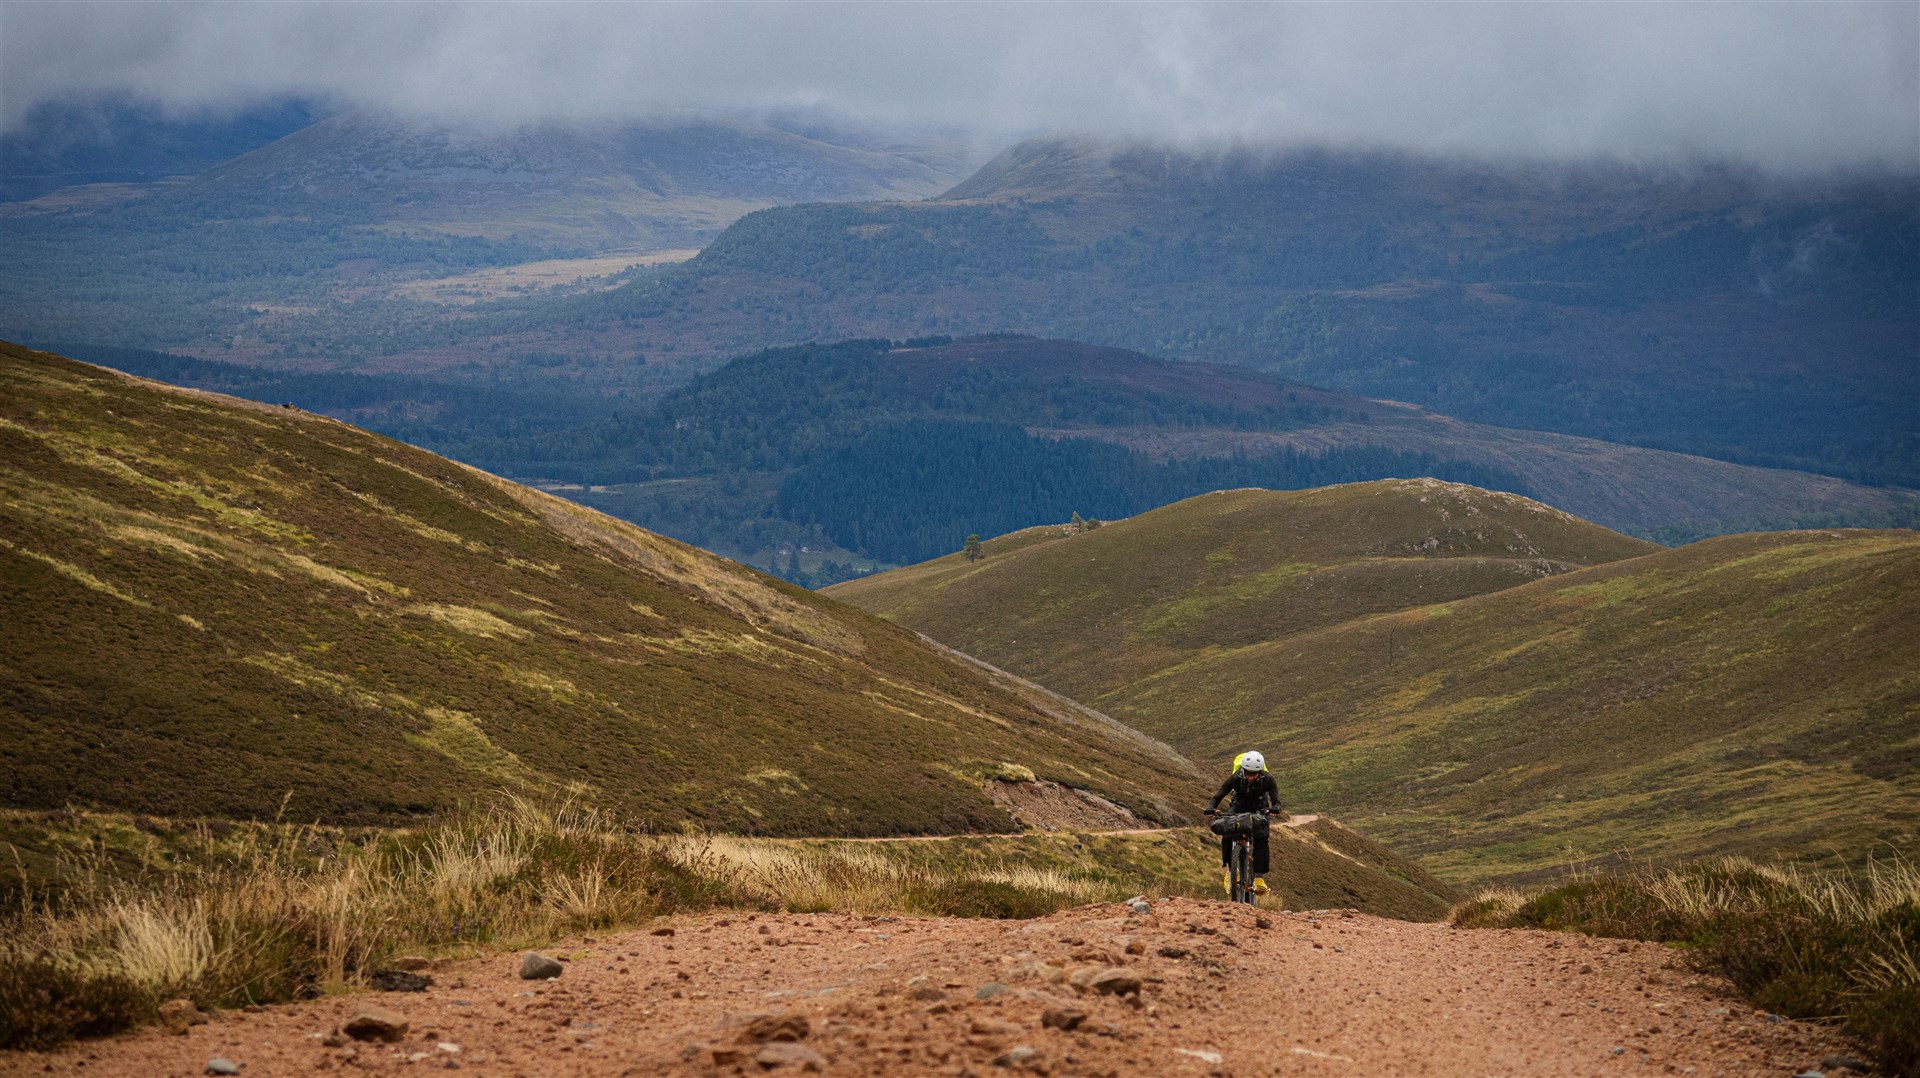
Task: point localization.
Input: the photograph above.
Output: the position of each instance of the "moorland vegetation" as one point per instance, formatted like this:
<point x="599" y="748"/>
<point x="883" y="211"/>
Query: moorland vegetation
<point x="1497" y="714"/>
<point x="1829" y="948"/>
<point x="124" y="913"/>
<point x="211" y="603"/>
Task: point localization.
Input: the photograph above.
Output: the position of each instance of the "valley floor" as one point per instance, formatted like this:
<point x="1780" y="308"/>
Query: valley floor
<point x="1221" y="990"/>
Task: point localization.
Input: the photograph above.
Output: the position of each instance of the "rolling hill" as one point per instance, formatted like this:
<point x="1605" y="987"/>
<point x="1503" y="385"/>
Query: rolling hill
<point x="1092" y="612"/>
<point x="1752" y="693"/>
<point x="220" y="608"/>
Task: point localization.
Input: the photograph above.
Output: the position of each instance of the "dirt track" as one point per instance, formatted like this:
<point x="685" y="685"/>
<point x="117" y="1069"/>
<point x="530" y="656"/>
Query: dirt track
<point x="1307" y="994"/>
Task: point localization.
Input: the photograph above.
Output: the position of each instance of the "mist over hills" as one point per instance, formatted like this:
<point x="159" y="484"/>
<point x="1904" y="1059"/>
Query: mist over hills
<point x="211" y="603"/>
<point x="1492" y="684"/>
<point x="119" y="139"/>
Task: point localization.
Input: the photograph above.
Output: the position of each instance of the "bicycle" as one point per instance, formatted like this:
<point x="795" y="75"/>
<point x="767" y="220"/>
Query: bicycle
<point x="1240" y="826"/>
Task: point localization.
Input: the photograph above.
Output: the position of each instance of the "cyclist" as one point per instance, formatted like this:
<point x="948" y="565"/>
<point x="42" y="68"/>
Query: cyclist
<point x="1253" y="790"/>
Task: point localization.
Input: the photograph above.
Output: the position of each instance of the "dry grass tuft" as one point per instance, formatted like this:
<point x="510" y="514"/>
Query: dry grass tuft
<point x="1796" y="944"/>
<point x="288" y="912"/>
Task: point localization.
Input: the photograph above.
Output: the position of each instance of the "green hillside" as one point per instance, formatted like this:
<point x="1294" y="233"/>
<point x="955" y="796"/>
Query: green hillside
<point x="1755" y="693"/>
<point x="1090" y="613"/>
<point x="213" y="607"/>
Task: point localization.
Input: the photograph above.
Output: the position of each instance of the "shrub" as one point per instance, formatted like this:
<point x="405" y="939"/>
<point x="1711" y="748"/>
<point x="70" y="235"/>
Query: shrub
<point x="43" y="1005"/>
<point x="1807" y="948"/>
<point x="265" y="913"/>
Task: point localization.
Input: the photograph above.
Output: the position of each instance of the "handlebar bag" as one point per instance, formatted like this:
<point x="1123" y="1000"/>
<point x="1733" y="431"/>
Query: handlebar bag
<point x="1238" y="823"/>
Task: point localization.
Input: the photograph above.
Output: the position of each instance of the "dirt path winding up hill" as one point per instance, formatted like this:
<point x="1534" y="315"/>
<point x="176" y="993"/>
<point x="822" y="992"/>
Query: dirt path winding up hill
<point x="1199" y="988"/>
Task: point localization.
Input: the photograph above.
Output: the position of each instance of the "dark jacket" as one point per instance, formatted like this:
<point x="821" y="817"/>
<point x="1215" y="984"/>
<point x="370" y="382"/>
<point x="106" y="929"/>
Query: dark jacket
<point x="1251" y="793"/>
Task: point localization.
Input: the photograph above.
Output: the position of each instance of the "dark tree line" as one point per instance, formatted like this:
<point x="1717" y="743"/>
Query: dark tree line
<point x="916" y="490"/>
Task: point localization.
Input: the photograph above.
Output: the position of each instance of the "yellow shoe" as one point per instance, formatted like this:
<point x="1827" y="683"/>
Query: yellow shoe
<point x="1259" y="886"/>
<point x="1226" y="881"/>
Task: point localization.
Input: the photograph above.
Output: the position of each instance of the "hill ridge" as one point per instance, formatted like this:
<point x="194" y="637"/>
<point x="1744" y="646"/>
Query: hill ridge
<point x="387" y="633"/>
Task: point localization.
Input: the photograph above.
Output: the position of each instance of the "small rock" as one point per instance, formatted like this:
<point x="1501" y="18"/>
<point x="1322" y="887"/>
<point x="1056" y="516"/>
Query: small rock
<point x="1115" y="982"/>
<point x="333" y="1040"/>
<point x="1586" y="969"/>
<point x="1262" y="922"/>
<point x="448" y="1047"/>
<point x="1063" y="1018"/>
<point x="394" y="980"/>
<point x="221" y="1065"/>
<point x="375" y="1024"/>
<point x="777" y="1027"/>
<point x="1140" y="906"/>
<point x="1136" y="947"/>
<point x="725" y="1055"/>
<point x="178" y="1014"/>
<point x="1173" y="952"/>
<point x="991" y="1027"/>
<point x="1836" y="1061"/>
<point x="1025" y="1057"/>
<point x="1775" y="1018"/>
<point x="535" y="966"/>
<point x="790" y="1054"/>
<point x="669" y="931"/>
<point x="928" y="994"/>
<point x="1619" y="1051"/>
<point x="989" y="990"/>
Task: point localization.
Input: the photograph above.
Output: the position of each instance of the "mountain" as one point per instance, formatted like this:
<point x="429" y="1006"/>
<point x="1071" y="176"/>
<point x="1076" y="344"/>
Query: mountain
<point x="672" y="180"/>
<point x="1751" y="693"/>
<point x="221" y="608"/>
<point x="1090" y="612"/>
<point x="118" y="140"/>
<point x="349" y="222"/>
<point x="816" y="445"/>
<point x="1712" y="311"/>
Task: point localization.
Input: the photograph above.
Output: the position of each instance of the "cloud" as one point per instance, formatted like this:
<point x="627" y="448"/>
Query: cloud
<point x="1789" y="85"/>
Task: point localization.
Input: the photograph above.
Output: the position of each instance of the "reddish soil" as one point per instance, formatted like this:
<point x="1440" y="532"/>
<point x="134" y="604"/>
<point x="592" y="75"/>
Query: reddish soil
<point x="1222" y="990"/>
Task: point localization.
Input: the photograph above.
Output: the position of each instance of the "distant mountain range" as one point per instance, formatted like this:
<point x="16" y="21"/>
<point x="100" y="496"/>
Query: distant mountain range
<point x="352" y="207"/>
<point x="1734" y="315"/>
<point x="118" y="140"/>
<point x="228" y="609"/>
<point x="1500" y="687"/>
<point x="814" y="460"/>
<point x="1743" y="317"/>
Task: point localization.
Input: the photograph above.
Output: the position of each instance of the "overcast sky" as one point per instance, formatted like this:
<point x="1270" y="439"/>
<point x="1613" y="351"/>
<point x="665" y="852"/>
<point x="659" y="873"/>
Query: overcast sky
<point x="1792" y="85"/>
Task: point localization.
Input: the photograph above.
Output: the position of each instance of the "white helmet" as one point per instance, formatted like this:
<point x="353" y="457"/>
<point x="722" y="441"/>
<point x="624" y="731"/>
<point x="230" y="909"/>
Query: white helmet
<point x="1252" y="761"/>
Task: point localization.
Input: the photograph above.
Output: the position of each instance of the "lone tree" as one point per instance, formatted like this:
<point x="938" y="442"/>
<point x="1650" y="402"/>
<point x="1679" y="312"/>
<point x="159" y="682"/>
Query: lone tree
<point x="972" y="549"/>
<point x="1077" y="524"/>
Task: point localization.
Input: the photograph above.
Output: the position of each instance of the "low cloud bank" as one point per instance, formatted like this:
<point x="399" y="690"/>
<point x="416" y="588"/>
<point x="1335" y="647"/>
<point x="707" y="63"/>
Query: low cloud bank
<point x="1789" y="85"/>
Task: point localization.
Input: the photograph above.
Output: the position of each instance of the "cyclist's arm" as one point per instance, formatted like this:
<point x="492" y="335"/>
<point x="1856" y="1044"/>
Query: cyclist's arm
<point x="1225" y="788"/>
<point x="1273" y="793"/>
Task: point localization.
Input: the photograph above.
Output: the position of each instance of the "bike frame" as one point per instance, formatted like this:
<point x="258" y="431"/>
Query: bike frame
<point x="1240" y="860"/>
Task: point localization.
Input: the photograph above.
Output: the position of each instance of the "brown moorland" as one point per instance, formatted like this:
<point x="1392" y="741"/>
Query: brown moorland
<point x="1753" y="694"/>
<point x="216" y="608"/>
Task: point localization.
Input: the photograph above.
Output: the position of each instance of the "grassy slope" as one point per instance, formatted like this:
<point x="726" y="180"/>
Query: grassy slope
<point x="209" y="605"/>
<point x="1756" y="693"/>
<point x="1747" y="694"/>
<point x="1091" y="613"/>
